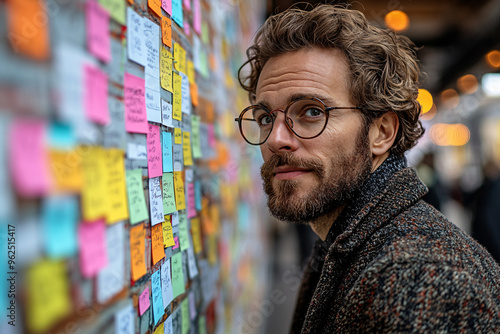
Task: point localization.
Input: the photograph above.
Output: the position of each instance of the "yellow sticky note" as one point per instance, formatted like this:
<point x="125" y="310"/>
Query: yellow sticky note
<point x="94" y="193"/>
<point x="166" y="70"/>
<point x="116" y="186"/>
<point x="186" y="148"/>
<point x="177" y="98"/>
<point x="212" y="249"/>
<point x="138" y="251"/>
<point x="48" y="295"/>
<point x="180" y="199"/>
<point x="190" y="71"/>
<point x="166" y="31"/>
<point x="160" y="329"/>
<point x="66" y="167"/>
<point x="29" y="28"/>
<point x="180" y="58"/>
<point x="177" y="136"/>
<point x="168" y="235"/>
<point x="196" y="234"/>
<point x="215" y="217"/>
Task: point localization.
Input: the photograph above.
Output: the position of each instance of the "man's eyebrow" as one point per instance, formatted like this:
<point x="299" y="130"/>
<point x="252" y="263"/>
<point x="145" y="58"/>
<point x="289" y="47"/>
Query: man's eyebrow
<point x="263" y="105"/>
<point x="327" y="100"/>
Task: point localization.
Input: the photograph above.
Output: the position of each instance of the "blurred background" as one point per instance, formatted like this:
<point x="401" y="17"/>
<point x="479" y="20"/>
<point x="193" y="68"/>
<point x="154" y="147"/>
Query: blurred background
<point x="68" y="276"/>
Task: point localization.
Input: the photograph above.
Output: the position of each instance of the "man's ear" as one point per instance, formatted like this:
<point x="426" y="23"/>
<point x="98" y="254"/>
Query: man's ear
<point x="383" y="131"/>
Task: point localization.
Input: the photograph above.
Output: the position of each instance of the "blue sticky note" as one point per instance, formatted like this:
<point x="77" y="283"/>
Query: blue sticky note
<point x="177" y="12"/>
<point x="243" y="216"/>
<point x="61" y="136"/>
<point x="166" y="149"/>
<point x="158" y="310"/>
<point x="197" y="195"/>
<point x="59" y="222"/>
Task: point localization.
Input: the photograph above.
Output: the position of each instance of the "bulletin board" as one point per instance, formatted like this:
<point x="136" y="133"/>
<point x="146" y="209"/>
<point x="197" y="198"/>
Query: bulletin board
<point x="128" y="201"/>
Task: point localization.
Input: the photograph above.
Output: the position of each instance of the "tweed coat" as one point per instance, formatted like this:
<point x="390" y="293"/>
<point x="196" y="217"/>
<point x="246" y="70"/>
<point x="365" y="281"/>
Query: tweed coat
<point x="400" y="266"/>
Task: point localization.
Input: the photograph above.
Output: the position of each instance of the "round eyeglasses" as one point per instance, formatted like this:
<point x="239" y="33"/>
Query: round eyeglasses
<point x="306" y="117"/>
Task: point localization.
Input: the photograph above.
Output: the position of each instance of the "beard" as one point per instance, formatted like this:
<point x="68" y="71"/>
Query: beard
<point x="337" y="184"/>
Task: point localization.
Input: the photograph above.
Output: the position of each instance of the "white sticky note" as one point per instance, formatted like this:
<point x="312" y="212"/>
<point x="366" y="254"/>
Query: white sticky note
<point x="155" y="201"/>
<point x="193" y="269"/>
<point x="124" y="320"/>
<point x="166" y="284"/>
<point x="111" y="279"/>
<point x="166" y="114"/>
<point x="136" y="43"/>
<point x="186" y="95"/>
<point x="152" y="70"/>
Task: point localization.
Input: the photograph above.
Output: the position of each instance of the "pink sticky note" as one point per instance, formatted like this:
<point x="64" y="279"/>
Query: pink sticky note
<point x="187" y="4"/>
<point x="28" y="158"/>
<point x="176" y="240"/>
<point x="191" y="203"/>
<point x="167" y="6"/>
<point x="98" y="37"/>
<point x="144" y="301"/>
<point x="211" y="135"/>
<point x="187" y="30"/>
<point x="155" y="166"/>
<point x="136" y="119"/>
<point x="92" y="242"/>
<point x="197" y="16"/>
<point x="96" y="94"/>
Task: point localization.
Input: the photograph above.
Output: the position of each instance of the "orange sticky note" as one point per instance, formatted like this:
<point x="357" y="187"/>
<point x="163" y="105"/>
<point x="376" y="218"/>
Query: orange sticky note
<point x="29" y="28"/>
<point x="166" y="31"/>
<point x="138" y="251"/>
<point x="196" y="234"/>
<point x="157" y="243"/>
<point x="155" y="6"/>
<point x="194" y="94"/>
<point x="66" y="167"/>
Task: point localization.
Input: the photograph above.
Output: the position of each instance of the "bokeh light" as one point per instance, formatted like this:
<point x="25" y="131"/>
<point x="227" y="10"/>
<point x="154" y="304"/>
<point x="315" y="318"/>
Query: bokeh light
<point x="450" y="98"/>
<point x="493" y="58"/>
<point x="467" y="84"/>
<point x="443" y="134"/>
<point x="397" y="20"/>
<point x="425" y="100"/>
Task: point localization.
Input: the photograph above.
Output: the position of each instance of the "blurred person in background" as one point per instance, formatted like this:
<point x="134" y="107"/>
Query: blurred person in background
<point x="334" y="109"/>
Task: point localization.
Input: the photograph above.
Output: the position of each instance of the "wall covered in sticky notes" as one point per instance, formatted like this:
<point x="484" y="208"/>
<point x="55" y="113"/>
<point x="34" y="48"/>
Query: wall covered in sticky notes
<point x="127" y="197"/>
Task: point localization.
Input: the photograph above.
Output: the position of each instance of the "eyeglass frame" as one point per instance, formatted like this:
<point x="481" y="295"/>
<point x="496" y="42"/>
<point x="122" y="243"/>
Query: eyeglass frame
<point x="284" y="111"/>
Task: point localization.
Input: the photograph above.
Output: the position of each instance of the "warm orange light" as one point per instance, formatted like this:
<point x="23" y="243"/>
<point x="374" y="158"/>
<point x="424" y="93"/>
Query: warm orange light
<point x="450" y="98"/>
<point x="397" y="20"/>
<point x="467" y="84"/>
<point x="449" y="134"/>
<point x="430" y="114"/>
<point x="493" y="58"/>
<point x="425" y="100"/>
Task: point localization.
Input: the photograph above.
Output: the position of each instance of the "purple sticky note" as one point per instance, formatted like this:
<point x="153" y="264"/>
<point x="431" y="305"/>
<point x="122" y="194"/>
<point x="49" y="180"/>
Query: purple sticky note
<point x="98" y="37"/>
<point x="96" y="95"/>
<point x="167" y="6"/>
<point x="191" y="202"/>
<point x="28" y="157"/>
<point x="136" y="119"/>
<point x="187" y="29"/>
<point x="197" y="16"/>
<point x="144" y="301"/>
<point x="92" y="242"/>
<point x="155" y="166"/>
<point x="187" y="4"/>
<point x="176" y="240"/>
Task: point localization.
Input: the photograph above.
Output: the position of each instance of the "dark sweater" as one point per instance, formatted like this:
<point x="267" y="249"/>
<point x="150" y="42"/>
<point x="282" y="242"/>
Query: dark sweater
<point x="392" y="263"/>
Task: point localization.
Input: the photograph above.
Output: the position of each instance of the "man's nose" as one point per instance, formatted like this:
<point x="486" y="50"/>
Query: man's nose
<point x="281" y="138"/>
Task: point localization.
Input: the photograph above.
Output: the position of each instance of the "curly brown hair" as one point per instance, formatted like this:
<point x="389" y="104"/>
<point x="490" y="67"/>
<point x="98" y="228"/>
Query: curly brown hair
<point x="384" y="69"/>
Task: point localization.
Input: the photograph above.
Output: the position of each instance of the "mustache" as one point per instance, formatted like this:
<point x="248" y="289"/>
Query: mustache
<point x="289" y="159"/>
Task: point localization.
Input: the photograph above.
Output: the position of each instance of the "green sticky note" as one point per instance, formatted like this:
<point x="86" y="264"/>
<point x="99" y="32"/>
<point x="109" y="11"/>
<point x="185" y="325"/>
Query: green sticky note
<point x="183" y="232"/>
<point x="202" y="325"/>
<point x="177" y="275"/>
<point x="185" y="316"/>
<point x="205" y="33"/>
<point x="167" y="181"/>
<point x="116" y="9"/>
<point x="195" y="136"/>
<point x="135" y="193"/>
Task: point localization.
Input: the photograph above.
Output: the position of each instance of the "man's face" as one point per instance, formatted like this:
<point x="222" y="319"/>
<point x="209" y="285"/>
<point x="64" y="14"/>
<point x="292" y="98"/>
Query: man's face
<point x="309" y="178"/>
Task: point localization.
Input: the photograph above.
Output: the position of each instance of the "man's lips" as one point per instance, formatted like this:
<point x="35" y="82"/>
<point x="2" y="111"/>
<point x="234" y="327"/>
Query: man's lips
<point x="288" y="172"/>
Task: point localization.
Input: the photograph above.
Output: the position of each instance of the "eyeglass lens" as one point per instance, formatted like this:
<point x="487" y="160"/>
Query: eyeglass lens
<point x="305" y="117"/>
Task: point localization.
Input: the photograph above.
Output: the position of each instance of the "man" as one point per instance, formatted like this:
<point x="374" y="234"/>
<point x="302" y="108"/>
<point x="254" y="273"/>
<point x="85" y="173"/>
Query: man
<point x="333" y="110"/>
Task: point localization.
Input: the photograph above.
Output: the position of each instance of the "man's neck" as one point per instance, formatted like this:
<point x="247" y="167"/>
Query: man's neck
<point x="322" y="225"/>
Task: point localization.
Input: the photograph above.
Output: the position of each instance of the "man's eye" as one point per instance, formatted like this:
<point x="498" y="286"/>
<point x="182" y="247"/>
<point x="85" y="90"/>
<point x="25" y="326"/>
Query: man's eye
<point x="313" y="112"/>
<point x="265" y="120"/>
